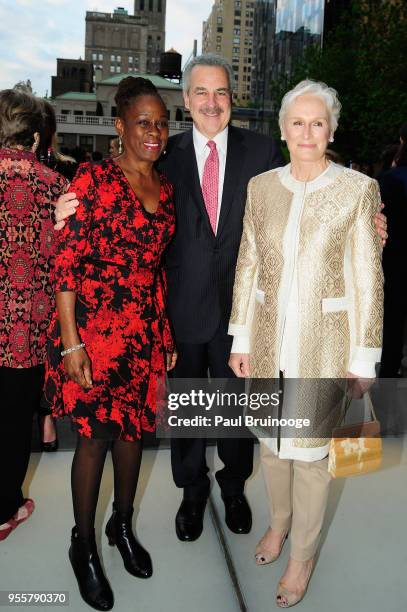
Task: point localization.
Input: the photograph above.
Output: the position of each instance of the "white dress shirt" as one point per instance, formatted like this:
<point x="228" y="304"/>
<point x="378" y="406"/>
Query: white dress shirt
<point x="202" y="152"/>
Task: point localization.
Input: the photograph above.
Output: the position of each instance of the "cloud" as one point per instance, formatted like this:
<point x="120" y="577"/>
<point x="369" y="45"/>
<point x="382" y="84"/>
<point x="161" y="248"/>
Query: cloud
<point x="56" y="28"/>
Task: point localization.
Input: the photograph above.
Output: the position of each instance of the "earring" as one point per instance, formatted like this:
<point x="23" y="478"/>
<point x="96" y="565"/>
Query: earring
<point x="120" y="145"/>
<point x="331" y="139"/>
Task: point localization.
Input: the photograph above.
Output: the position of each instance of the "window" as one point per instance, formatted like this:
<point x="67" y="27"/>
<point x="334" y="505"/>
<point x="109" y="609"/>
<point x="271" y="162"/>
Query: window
<point x="94" y="56"/>
<point x="219" y="39"/>
<point x="150" y="5"/>
<point x="65" y="112"/>
<point x="86" y="142"/>
<point x="159" y="6"/>
<point x="238" y="13"/>
<point x="118" y="68"/>
<point x="100" y="57"/>
<point x="236" y="31"/>
<point x="219" y="20"/>
<point x="118" y="58"/>
<point x="78" y="112"/>
<point x="112" y="68"/>
<point x="130" y="59"/>
<point x="219" y="29"/>
<point x="218" y="48"/>
<point x="141" y="5"/>
<point x="236" y="40"/>
<point x="236" y="22"/>
<point x="112" y="58"/>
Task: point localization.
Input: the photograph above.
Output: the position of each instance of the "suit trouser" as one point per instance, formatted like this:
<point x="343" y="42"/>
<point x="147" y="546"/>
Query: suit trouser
<point x="188" y="454"/>
<point x="298" y="495"/>
<point x="20" y="391"/>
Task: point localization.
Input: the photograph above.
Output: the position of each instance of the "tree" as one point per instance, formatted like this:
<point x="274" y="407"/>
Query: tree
<point x="364" y="59"/>
<point x="24" y="86"/>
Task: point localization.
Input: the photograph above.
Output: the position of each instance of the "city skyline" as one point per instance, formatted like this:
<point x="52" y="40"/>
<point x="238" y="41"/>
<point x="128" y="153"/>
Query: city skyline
<point x="56" y="28"/>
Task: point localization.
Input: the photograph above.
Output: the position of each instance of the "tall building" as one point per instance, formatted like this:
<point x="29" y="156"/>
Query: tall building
<point x="153" y="12"/>
<point x="282" y="31"/>
<point x="121" y="43"/>
<point x="228" y="32"/>
<point x="72" y="75"/>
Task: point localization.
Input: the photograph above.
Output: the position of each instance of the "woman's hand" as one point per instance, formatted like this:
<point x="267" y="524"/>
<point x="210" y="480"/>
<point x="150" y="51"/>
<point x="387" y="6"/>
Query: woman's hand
<point x="171" y="360"/>
<point x="64" y="208"/>
<point x="381" y="226"/>
<point x="358" y="386"/>
<point x="240" y="364"/>
<point x="78" y="367"/>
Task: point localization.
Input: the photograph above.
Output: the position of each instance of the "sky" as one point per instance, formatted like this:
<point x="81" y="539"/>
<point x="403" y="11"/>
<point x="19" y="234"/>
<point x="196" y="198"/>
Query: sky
<point x="33" y="33"/>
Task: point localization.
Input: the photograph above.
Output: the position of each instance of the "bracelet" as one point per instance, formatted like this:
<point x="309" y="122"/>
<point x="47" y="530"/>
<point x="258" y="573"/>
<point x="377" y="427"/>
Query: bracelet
<point x="72" y="349"/>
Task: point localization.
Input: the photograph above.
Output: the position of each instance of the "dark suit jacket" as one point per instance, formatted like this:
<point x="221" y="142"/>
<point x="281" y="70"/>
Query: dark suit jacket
<point x="201" y="266"/>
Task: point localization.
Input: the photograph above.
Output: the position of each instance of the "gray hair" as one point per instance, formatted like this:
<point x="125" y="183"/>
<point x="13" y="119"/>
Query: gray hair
<point x="318" y="89"/>
<point x="207" y="59"/>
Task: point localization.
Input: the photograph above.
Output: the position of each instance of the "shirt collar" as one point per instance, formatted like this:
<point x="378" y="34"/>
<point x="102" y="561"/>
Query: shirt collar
<point x="200" y="140"/>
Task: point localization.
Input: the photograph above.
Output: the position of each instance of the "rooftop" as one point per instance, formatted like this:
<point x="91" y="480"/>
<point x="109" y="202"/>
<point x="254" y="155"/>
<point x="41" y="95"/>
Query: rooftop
<point x="77" y="95"/>
<point x="156" y="80"/>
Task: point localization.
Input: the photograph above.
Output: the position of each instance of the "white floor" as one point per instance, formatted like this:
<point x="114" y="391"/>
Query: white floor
<point x="362" y="565"/>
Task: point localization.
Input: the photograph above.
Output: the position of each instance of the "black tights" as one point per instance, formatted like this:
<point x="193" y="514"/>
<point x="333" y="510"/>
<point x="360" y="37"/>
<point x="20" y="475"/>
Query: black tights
<point x="86" y="474"/>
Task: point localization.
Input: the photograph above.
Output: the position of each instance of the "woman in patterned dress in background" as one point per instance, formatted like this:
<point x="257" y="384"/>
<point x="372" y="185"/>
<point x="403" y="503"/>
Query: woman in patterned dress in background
<point x="111" y="328"/>
<point x="27" y="191"/>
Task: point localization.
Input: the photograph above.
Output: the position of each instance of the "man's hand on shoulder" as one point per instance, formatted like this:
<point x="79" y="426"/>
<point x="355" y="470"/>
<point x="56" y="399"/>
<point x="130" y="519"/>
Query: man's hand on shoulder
<point x="64" y="208"/>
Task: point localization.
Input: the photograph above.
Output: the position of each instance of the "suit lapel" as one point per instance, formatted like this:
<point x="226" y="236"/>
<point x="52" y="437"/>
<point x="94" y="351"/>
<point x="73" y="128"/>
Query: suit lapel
<point x="236" y="153"/>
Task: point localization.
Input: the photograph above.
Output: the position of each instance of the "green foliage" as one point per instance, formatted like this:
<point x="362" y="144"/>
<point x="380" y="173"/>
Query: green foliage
<point x="364" y="59"/>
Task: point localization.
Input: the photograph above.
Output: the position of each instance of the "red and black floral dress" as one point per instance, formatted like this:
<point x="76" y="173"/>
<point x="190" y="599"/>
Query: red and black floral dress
<point x="109" y="254"/>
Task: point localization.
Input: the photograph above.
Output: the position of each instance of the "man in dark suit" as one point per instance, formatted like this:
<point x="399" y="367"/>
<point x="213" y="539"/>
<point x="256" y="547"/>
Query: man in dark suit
<point x="200" y="267"/>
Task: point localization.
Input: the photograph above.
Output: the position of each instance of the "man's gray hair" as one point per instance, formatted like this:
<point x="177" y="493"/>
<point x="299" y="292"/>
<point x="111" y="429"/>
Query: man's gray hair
<point x="314" y="88"/>
<point x="207" y="59"/>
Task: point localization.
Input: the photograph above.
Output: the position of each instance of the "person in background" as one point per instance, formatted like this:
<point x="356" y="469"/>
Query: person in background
<point x="114" y="148"/>
<point x="47" y="152"/>
<point x="393" y="188"/>
<point x="110" y="340"/>
<point x="28" y="190"/>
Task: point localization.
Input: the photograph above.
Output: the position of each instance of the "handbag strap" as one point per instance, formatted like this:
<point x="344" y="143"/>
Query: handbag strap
<point x="369" y="404"/>
<point x="347" y="400"/>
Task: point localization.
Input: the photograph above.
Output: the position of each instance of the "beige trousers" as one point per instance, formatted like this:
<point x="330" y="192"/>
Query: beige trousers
<point x="298" y="496"/>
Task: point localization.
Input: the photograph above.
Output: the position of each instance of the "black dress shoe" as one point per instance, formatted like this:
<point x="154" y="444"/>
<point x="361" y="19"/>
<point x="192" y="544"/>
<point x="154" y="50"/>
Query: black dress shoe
<point x="136" y="559"/>
<point x="238" y="516"/>
<point x="50" y="447"/>
<point x="189" y="520"/>
<point x="47" y="447"/>
<point x="93" y="585"/>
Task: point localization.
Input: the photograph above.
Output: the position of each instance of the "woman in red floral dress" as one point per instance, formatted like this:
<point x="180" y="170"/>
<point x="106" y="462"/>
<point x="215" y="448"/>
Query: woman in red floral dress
<point x="27" y="192"/>
<point x="111" y="327"/>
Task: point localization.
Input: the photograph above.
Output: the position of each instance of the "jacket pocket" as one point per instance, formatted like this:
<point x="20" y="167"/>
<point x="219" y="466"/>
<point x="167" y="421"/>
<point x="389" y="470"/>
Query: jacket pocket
<point x="335" y="304"/>
<point x="260" y="296"/>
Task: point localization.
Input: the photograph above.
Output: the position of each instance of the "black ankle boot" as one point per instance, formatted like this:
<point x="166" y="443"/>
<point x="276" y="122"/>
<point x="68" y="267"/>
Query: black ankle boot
<point x="136" y="559"/>
<point x="93" y="585"/>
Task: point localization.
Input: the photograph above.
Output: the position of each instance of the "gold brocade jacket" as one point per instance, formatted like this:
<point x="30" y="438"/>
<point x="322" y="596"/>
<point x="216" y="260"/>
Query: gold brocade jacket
<point x="319" y="275"/>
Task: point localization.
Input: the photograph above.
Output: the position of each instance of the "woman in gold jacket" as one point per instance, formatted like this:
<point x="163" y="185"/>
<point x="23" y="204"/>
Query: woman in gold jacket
<point x="308" y="302"/>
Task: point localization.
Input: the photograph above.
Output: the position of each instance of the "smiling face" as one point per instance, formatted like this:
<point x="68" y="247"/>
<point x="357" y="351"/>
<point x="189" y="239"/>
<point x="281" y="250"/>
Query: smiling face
<point x="209" y="99"/>
<point x="306" y="128"/>
<point x="144" y="128"/>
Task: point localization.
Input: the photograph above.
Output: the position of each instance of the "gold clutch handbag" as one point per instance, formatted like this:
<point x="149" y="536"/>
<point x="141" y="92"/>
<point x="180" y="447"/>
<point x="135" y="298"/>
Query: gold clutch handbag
<point x="357" y="448"/>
